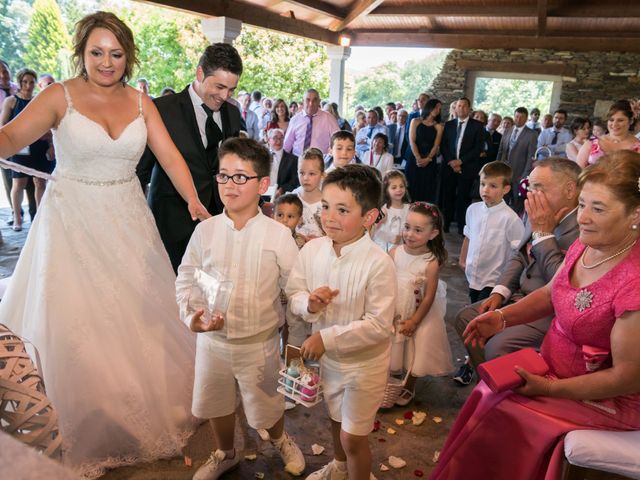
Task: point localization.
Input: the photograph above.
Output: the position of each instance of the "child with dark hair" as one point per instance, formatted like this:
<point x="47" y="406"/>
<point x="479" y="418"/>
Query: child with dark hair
<point x="388" y="231"/>
<point x="422" y="299"/>
<point x="343" y="284"/>
<point x="342" y="150"/>
<point x="378" y="155"/>
<point x="241" y="346"/>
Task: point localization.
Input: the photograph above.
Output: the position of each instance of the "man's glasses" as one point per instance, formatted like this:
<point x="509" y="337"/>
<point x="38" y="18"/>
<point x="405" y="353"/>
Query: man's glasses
<point x="237" y="178"/>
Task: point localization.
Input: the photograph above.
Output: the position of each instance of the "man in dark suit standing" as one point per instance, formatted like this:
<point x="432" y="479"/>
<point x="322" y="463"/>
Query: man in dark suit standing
<point x="462" y="144"/>
<point x="517" y="147"/>
<point x="493" y="137"/>
<point x="284" y="169"/>
<point x="198" y="119"/>
<point x="551" y="228"/>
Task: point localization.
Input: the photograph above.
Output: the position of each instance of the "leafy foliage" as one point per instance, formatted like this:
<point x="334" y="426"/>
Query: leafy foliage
<point x="504" y="95"/>
<point x="14" y="20"/>
<point x="48" y="42"/>
<point x="280" y="65"/>
<point x="393" y="83"/>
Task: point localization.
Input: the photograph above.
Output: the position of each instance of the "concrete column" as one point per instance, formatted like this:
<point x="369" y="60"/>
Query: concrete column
<point x="338" y="56"/>
<point x="221" y="29"/>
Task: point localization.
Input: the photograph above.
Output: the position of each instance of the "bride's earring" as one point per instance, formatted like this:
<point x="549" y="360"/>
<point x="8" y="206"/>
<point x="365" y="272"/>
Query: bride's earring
<point x="634" y="227"/>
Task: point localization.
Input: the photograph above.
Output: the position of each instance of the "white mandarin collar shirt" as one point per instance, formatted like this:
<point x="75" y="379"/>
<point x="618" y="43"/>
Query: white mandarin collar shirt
<point x="357" y="324"/>
<point x="257" y="259"/>
<point x="494" y="234"/>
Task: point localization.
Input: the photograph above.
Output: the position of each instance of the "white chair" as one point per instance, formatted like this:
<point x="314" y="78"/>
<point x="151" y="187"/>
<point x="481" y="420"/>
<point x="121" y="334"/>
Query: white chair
<point x="598" y="454"/>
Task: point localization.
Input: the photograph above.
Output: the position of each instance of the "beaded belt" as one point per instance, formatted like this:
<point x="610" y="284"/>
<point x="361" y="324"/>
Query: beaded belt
<point x="99" y="183"/>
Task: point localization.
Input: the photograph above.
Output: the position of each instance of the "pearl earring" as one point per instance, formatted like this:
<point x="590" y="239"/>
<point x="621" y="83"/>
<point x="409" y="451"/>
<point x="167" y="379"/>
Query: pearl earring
<point x="634" y="227"/>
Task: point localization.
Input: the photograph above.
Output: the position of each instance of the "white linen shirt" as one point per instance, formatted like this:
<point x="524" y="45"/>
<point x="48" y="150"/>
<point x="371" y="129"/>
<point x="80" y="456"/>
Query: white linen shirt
<point x="494" y="234"/>
<point x="357" y="324"/>
<point x="257" y="259"/>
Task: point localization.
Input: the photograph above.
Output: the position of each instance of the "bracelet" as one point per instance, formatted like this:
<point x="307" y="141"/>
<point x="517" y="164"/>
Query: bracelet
<point x="504" y="321"/>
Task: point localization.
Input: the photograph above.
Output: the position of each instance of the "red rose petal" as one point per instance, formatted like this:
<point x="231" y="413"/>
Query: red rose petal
<point x="382" y="440"/>
<point x="408" y="415"/>
<point x="418" y="473"/>
<point x="376" y="426"/>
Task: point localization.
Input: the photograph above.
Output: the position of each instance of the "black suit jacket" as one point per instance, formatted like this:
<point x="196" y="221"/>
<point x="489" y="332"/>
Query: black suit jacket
<point x="288" y="172"/>
<point x="470" y="149"/>
<point x="169" y="209"/>
<point x="493" y="143"/>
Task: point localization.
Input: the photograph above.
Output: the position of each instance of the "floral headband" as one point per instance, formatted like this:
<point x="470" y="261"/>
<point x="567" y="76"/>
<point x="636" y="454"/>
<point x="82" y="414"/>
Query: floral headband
<point x="434" y="210"/>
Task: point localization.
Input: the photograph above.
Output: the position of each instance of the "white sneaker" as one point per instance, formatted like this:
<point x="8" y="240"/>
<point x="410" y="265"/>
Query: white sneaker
<point x="291" y="455"/>
<point x="330" y="471"/>
<point x="216" y="465"/>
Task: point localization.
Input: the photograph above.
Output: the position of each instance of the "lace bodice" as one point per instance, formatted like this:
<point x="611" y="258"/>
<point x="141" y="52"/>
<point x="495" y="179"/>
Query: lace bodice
<point x="85" y="151"/>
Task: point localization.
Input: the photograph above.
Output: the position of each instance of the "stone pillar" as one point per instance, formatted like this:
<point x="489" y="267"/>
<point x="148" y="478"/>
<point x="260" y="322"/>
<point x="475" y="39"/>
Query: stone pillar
<point x="221" y="29"/>
<point x="338" y="56"/>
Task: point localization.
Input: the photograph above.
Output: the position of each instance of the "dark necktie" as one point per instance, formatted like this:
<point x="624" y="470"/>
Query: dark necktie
<point x="554" y="140"/>
<point x="514" y="137"/>
<point x="458" y="131"/>
<point x="213" y="132"/>
<point x="307" y="134"/>
<point x="370" y="132"/>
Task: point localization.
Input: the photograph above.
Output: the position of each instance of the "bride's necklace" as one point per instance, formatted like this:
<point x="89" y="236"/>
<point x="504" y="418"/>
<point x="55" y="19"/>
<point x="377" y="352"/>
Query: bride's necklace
<point x="610" y="257"/>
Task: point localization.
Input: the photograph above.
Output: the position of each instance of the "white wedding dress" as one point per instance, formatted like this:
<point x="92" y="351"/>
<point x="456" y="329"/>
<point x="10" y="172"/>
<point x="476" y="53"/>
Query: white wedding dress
<point x="94" y="291"/>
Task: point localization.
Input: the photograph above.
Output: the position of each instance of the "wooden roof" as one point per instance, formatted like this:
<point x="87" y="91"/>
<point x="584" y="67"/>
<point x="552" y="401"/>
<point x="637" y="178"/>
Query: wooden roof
<point x="600" y="25"/>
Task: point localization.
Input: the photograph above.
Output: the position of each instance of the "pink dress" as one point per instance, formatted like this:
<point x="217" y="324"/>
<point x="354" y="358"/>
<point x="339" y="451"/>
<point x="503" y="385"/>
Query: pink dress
<point x="597" y="152"/>
<point x="496" y="435"/>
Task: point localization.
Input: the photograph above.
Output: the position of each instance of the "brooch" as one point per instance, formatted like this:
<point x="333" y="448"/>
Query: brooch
<point x="583" y="299"/>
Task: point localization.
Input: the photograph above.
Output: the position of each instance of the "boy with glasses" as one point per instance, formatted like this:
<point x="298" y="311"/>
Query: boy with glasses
<point x="256" y="254"/>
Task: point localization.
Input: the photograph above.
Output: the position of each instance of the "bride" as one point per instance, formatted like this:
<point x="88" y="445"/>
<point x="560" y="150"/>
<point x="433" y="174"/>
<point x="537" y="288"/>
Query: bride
<point x="93" y="288"/>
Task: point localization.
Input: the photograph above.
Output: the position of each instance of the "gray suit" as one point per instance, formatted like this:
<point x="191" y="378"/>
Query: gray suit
<point x="519" y="159"/>
<point x="522" y="277"/>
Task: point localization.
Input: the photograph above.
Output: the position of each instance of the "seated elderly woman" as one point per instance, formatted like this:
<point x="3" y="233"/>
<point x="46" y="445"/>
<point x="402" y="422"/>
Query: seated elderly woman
<point x="591" y="347"/>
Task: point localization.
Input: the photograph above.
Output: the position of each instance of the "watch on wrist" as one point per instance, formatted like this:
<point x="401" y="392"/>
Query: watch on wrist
<point x="538" y="234"/>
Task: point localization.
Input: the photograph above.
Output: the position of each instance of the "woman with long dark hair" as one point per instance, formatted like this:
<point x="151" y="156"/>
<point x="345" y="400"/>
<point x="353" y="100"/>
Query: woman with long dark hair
<point x="425" y="135"/>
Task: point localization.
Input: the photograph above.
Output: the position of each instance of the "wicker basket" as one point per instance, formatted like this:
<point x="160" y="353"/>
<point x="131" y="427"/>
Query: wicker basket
<point x="25" y="411"/>
<point x="395" y="386"/>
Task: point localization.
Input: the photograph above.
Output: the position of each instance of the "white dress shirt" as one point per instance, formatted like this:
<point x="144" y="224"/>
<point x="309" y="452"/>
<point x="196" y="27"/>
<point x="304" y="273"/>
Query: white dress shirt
<point x="464" y="123"/>
<point x="201" y="115"/>
<point x="357" y="324"/>
<point x="494" y="234"/>
<point x="275" y="165"/>
<point x="257" y="259"/>
<point x="558" y="149"/>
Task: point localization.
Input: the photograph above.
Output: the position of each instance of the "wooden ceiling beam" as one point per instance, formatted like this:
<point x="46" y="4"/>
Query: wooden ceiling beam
<point x="252" y="15"/>
<point x="542" y="17"/>
<point x="574" y="10"/>
<point x="320" y="7"/>
<point x="584" y="41"/>
<point x="359" y="9"/>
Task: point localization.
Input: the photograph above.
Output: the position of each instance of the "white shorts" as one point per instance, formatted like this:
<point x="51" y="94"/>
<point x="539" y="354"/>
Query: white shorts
<point x="219" y="365"/>
<point x="354" y="391"/>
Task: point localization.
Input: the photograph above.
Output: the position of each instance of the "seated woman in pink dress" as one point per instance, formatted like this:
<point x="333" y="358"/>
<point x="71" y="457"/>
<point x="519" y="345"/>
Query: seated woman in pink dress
<point x="591" y="347"/>
<point x="620" y="120"/>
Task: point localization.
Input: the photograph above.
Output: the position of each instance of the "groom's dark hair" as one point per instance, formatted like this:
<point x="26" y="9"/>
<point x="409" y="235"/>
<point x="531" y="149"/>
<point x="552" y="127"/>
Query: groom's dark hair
<point x="220" y="56"/>
<point x="249" y="151"/>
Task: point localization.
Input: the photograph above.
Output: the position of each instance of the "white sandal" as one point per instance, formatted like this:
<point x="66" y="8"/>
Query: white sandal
<point x="405" y="397"/>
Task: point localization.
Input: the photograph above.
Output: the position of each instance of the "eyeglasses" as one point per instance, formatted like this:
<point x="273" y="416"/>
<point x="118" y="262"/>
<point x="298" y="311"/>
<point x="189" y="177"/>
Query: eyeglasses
<point x="238" y="178"/>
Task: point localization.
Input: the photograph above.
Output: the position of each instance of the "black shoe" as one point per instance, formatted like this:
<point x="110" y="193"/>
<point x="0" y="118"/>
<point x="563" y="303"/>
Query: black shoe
<point x="464" y="375"/>
<point x="10" y="222"/>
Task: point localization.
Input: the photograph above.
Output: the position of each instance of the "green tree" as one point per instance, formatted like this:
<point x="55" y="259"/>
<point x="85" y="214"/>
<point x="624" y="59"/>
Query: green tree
<point x="281" y="65"/>
<point x="14" y="19"/>
<point x="378" y="86"/>
<point x="504" y="95"/>
<point x="417" y="75"/>
<point x="48" y="44"/>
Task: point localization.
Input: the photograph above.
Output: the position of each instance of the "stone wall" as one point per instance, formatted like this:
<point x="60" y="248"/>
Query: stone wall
<point x="586" y="76"/>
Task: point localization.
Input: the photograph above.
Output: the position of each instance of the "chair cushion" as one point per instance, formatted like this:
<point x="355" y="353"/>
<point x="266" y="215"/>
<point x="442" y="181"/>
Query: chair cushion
<point x="615" y="452"/>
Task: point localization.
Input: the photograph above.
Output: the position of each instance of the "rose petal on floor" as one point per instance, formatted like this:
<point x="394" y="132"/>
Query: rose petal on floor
<point x="397" y="462"/>
<point x="436" y="456"/>
<point x="383" y="468"/>
<point x="437" y="419"/>
<point x="391" y="431"/>
<point x="317" y="449"/>
<point x="250" y="456"/>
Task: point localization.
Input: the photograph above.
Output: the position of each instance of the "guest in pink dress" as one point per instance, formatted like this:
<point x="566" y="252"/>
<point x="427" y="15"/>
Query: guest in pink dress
<point x="620" y="120"/>
<point x="591" y="347"/>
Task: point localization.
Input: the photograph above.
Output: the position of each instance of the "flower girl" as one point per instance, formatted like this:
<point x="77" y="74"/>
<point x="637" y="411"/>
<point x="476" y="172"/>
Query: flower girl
<point x="422" y="299"/>
<point x="388" y="232"/>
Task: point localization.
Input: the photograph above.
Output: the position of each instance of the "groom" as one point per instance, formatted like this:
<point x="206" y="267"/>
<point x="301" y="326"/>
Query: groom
<point x="198" y="119"/>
